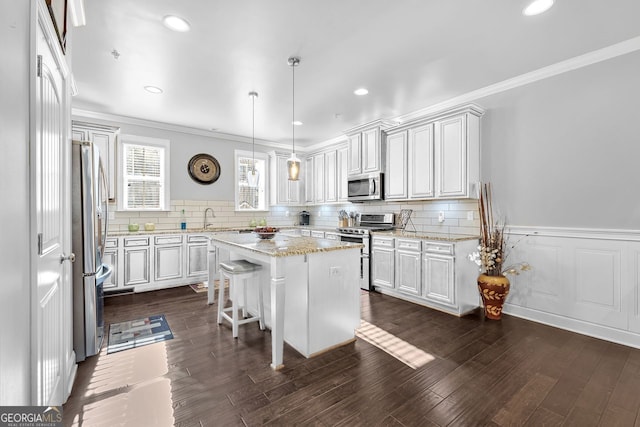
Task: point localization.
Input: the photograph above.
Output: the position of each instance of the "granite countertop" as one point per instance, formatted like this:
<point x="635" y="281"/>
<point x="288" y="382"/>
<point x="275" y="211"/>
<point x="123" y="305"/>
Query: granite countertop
<point x="443" y="237"/>
<point x="282" y="245"/>
<point x="207" y="230"/>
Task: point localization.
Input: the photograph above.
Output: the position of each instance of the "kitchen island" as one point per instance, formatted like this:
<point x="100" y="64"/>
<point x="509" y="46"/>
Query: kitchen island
<point x="314" y="302"/>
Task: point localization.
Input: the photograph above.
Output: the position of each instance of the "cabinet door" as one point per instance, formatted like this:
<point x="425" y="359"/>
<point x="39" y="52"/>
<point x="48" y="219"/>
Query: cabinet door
<point x="355" y="155"/>
<point x="408" y="267"/>
<point x="106" y="144"/>
<point x="396" y="175"/>
<point x="280" y="181"/>
<point x="136" y="266"/>
<point x="330" y="169"/>
<point x="371" y="152"/>
<point x="318" y="177"/>
<point x="168" y="262"/>
<point x="420" y="162"/>
<point x="79" y="135"/>
<point x="451" y="157"/>
<point x="438" y="280"/>
<point x="382" y="267"/>
<point x="317" y="234"/>
<point x="197" y="260"/>
<point x="309" y="193"/>
<point x="110" y="257"/>
<point x="342" y="173"/>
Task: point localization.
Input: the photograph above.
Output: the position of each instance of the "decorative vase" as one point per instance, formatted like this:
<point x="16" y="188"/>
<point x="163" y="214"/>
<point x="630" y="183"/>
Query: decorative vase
<point x="493" y="290"/>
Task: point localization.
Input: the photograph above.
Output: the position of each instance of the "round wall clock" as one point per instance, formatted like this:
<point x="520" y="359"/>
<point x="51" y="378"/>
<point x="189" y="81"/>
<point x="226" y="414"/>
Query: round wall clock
<point x="204" y="169"/>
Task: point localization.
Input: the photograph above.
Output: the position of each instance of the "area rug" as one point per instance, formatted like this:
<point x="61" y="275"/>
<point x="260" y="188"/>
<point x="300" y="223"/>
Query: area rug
<point x="201" y="287"/>
<point x="139" y="332"/>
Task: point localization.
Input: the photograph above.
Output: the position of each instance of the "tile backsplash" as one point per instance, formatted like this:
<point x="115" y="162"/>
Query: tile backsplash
<point x="424" y="216"/>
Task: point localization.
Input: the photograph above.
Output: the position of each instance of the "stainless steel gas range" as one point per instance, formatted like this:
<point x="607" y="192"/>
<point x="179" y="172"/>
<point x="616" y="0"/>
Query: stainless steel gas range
<point x="361" y="233"/>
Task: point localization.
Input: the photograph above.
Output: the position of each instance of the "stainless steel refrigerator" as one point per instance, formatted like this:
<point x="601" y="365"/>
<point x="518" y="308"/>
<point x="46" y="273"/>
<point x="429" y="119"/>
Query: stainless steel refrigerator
<point x="89" y="208"/>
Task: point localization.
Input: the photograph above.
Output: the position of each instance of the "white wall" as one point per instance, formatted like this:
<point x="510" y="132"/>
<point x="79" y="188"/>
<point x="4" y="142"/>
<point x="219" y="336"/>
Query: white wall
<point x="565" y="151"/>
<point x="15" y="328"/>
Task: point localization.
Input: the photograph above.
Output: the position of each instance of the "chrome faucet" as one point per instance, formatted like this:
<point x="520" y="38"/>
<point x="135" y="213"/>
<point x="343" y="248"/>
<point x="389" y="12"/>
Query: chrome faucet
<point x="213" y="215"/>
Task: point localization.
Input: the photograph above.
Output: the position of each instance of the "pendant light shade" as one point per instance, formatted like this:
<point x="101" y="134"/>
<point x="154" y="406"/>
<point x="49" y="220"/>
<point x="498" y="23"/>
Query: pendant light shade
<point x="293" y="163"/>
<point x="253" y="175"/>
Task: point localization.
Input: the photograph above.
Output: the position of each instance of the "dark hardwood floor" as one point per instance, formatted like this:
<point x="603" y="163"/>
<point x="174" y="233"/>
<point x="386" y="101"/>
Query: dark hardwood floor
<point x="470" y="372"/>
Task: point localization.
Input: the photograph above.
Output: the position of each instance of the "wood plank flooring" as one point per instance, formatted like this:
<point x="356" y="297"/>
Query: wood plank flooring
<point x="478" y="372"/>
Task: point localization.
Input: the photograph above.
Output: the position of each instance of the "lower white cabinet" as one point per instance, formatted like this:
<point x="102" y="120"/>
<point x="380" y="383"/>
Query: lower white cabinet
<point x="383" y="262"/>
<point x="148" y="262"/>
<point x="436" y="274"/>
<point x="408" y="266"/>
<point x="168" y="262"/>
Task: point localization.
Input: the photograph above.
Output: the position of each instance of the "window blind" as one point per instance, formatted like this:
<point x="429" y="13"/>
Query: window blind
<point x="144" y="175"/>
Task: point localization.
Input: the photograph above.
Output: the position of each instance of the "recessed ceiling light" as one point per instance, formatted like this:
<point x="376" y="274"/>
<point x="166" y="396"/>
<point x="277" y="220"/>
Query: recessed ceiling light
<point x="537" y="7"/>
<point x="297" y="123"/>
<point x="176" y="23"/>
<point x="361" y="91"/>
<point x="153" y="89"/>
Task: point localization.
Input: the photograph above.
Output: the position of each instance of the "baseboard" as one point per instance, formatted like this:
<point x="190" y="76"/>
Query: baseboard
<point x="578" y="326"/>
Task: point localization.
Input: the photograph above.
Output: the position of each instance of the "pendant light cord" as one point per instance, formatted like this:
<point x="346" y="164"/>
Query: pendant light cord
<point x="293" y="107"/>
<point x="253" y="132"/>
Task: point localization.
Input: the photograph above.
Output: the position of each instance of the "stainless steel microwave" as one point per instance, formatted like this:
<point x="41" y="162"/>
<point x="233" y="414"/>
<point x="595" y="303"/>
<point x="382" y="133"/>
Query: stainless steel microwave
<point x="365" y="187"/>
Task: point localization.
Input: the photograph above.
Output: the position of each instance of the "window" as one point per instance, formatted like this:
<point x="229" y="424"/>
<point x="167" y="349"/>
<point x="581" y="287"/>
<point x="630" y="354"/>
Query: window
<point x="248" y="197"/>
<point x="144" y="170"/>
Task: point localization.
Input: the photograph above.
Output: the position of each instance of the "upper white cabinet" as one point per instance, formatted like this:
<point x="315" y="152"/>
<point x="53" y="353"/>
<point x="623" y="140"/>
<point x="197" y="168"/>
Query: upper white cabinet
<point x="282" y="190"/>
<point x="330" y="175"/>
<point x="309" y="189"/>
<point x="342" y="173"/>
<point x="434" y="157"/>
<point x="366" y="150"/>
<point x="318" y="178"/>
<point x="105" y="137"/>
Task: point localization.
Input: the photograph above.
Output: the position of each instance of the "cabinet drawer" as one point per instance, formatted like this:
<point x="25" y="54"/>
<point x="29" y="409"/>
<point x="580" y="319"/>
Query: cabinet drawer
<point x="198" y="239"/>
<point x="111" y="242"/>
<point x="384" y="242"/>
<point x="317" y="234"/>
<point x="136" y="241"/>
<point x="168" y="240"/>
<point x="306" y="233"/>
<point x="409" y="244"/>
<point x="438" y="248"/>
<point x="331" y="236"/>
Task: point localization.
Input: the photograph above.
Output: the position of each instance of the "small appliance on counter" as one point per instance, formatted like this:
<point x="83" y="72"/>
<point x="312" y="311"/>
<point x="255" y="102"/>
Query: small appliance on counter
<point x="304" y="217"/>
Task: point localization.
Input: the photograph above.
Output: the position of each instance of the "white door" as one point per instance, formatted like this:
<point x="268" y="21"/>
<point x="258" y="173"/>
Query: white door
<point x="51" y="327"/>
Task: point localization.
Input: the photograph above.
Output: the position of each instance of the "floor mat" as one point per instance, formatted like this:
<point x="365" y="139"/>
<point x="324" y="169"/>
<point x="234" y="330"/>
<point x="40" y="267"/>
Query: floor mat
<point x="139" y="332"/>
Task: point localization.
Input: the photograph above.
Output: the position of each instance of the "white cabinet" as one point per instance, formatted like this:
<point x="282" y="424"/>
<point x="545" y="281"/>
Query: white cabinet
<point x="408" y="266"/>
<point x="366" y="149"/>
<point x="330" y="174"/>
<point x="457" y="156"/>
<point x="197" y="253"/>
<point x="435" y="157"/>
<point x="168" y="258"/>
<point x="309" y="189"/>
<point x="420" y="162"/>
<point x="439" y="279"/>
<point x="383" y="262"/>
<point x="282" y="190"/>
<point x="105" y="137"/>
<point x="331" y="236"/>
<point x="318" y="234"/>
<point x="342" y="174"/>
<point x="137" y="261"/>
<point x="110" y="257"/>
<point x="395" y="179"/>
<point x="318" y="178"/>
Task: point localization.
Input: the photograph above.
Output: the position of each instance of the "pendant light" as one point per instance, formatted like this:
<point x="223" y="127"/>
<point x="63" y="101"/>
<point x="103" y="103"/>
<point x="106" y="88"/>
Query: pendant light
<point x="253" y="175"/>
<point x="293" y="163"/>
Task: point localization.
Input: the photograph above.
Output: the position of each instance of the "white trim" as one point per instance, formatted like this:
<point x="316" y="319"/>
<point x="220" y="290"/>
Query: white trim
<point x="619" y="336"/>
<point x="609" y="52"/>
<point x="577" y="233"/>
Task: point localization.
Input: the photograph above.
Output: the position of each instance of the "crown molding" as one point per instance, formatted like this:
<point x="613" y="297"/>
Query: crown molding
<point x="609" y="52"/>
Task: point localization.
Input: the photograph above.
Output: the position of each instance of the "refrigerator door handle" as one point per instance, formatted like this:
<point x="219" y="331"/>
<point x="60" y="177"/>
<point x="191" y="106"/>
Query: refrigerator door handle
<point x="104" y="273"/>
<point x="103" y="178"/>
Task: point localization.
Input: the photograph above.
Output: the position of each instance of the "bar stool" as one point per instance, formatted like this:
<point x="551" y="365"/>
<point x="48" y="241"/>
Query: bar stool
<point x="235" y="271"/>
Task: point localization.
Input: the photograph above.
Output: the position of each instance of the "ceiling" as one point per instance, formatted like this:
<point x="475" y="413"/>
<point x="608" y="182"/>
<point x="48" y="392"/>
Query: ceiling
<point x="409" y="54"/>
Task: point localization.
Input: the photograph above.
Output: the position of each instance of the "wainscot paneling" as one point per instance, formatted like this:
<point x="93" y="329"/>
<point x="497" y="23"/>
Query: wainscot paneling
<point x="583" y="280"/>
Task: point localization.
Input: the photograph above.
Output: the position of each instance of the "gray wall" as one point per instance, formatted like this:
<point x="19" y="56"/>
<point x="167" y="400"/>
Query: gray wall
<point x="565" y="151"/>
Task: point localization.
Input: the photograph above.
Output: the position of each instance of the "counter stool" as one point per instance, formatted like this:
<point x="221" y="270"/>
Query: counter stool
<point x="235" y="271"/>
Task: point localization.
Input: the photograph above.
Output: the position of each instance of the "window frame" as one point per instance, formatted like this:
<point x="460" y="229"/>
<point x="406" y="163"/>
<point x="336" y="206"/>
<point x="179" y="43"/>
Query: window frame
<point x="165" y="181"/>
<point x="264" y="179"/>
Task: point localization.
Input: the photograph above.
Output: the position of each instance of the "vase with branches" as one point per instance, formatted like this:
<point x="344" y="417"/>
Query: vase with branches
<point x="491" y="257"/>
